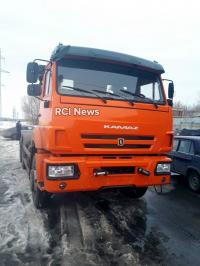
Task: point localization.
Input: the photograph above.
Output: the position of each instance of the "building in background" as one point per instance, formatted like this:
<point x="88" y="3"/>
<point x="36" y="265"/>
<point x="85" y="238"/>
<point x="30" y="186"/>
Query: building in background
<point x="184" y="118"/>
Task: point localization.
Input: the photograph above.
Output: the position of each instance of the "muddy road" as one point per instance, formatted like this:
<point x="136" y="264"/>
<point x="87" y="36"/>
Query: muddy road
<point x="96" y="228"/>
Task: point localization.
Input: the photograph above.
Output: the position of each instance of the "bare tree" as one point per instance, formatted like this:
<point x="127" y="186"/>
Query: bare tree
<point x="184" y="110"/>
<point x="30" y="108"/>
<point x="180" y="109"/>
<point x="196" y="107"/>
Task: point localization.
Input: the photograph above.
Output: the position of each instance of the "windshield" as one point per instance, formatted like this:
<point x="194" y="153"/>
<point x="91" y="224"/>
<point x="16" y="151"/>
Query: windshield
<point x="111" y="81"/>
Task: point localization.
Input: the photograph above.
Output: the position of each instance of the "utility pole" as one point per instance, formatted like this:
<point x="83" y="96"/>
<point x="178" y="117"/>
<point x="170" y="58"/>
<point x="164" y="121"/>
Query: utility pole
<point x="1" y="71"/>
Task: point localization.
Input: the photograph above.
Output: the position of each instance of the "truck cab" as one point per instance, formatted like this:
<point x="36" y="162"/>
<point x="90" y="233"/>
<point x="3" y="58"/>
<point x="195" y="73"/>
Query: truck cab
<point x="104" y="121"/>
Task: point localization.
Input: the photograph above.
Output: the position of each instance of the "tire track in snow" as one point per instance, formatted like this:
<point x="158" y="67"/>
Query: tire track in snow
<point x="128" y="219"/>
<point x="70" y="223"/>
<point x="107" y="242"/>
<point x="75" y="235"/>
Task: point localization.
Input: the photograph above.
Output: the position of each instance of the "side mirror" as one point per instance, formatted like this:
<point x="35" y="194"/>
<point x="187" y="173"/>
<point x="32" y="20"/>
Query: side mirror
<point x="34" y="90"/>
<point x="171" y="90"/>
<point x="32" y="72"/>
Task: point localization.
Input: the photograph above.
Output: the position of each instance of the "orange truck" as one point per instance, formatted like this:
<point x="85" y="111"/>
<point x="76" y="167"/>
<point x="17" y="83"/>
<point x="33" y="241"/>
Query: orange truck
<point x="104" y="122"/>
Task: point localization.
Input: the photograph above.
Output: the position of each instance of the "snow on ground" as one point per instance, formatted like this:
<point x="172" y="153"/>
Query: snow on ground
<point x="95" y="228"/>
<point x="21" y="225"/>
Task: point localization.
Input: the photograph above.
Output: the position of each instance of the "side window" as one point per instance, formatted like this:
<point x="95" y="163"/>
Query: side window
<point x="152" y="91"/>
<point x="185" y="146"/>
<point x="48" y="83"/>
<point x="175" y="145"/>
<point x="192" y="148"/>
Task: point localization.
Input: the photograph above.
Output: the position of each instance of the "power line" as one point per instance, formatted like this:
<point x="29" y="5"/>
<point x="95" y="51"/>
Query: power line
<point x="1" y="71"/>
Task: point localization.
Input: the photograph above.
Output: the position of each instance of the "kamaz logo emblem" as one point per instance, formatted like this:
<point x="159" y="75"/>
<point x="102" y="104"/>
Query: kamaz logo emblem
<point x="121" y="127"/>
<point x="120" y="142"/>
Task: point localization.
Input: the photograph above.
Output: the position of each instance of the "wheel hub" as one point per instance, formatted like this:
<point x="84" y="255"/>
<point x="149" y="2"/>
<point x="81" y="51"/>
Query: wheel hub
<point x="194" y="183"/>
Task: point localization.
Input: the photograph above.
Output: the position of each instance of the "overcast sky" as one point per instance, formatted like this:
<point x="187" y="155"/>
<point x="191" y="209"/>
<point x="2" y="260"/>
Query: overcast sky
<point x="165" y="31"/>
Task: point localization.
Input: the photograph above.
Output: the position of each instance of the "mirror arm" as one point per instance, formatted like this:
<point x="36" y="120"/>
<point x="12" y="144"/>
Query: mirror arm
<point x="46" y="102"/>
<point x="170" y="102"/>
<point x="170" y="80"/>
<point x="40" y="99"/>
<point x="43" y="60"/>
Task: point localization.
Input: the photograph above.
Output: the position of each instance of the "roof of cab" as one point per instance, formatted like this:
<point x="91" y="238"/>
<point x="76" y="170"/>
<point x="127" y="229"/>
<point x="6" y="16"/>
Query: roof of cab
<point x="61" y="51"/>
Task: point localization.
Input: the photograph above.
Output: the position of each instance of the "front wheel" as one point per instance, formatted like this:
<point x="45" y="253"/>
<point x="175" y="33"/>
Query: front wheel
<point x="40" y="198"/>
<point x="135" y="192"/>
<point x="194" y="181"/>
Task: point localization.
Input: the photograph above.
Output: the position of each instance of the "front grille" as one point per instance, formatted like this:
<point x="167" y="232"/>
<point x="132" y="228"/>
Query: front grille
<point x="115" y="146"/>
<point x="116" y="141"/>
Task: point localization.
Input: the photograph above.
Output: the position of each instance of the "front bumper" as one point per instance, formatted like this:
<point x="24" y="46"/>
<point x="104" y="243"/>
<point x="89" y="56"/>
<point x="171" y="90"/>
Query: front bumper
<point x="87" y="180"/>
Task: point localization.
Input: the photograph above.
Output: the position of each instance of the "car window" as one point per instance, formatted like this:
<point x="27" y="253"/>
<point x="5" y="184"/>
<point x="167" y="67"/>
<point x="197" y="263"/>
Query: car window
<point x="152" y="91"/>
<point x="175" y="144"/>
<point x="185" y="146"/>
<point x="192" y="148"/>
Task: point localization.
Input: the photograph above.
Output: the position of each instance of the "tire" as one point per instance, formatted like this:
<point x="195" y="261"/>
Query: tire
<point x="40" y="198"/>
<point x="135" y="192"/>
<point x="194" y="181"/>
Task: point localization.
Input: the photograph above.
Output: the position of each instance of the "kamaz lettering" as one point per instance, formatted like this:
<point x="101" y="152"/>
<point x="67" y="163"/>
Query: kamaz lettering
<point x="121" y="127"/>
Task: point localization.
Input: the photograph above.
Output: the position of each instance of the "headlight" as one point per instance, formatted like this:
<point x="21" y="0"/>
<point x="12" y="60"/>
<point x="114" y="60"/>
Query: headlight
<point x="62" y="171"/>
<point x="163" y="168"/>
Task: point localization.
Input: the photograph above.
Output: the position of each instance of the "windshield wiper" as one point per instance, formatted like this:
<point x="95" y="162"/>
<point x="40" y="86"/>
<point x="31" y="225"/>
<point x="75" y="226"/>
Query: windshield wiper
<point x="86" y="91"/>
<point x="134" y="94"/>
<point x="140" y="96"/>
<point x="114" y="94"/>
